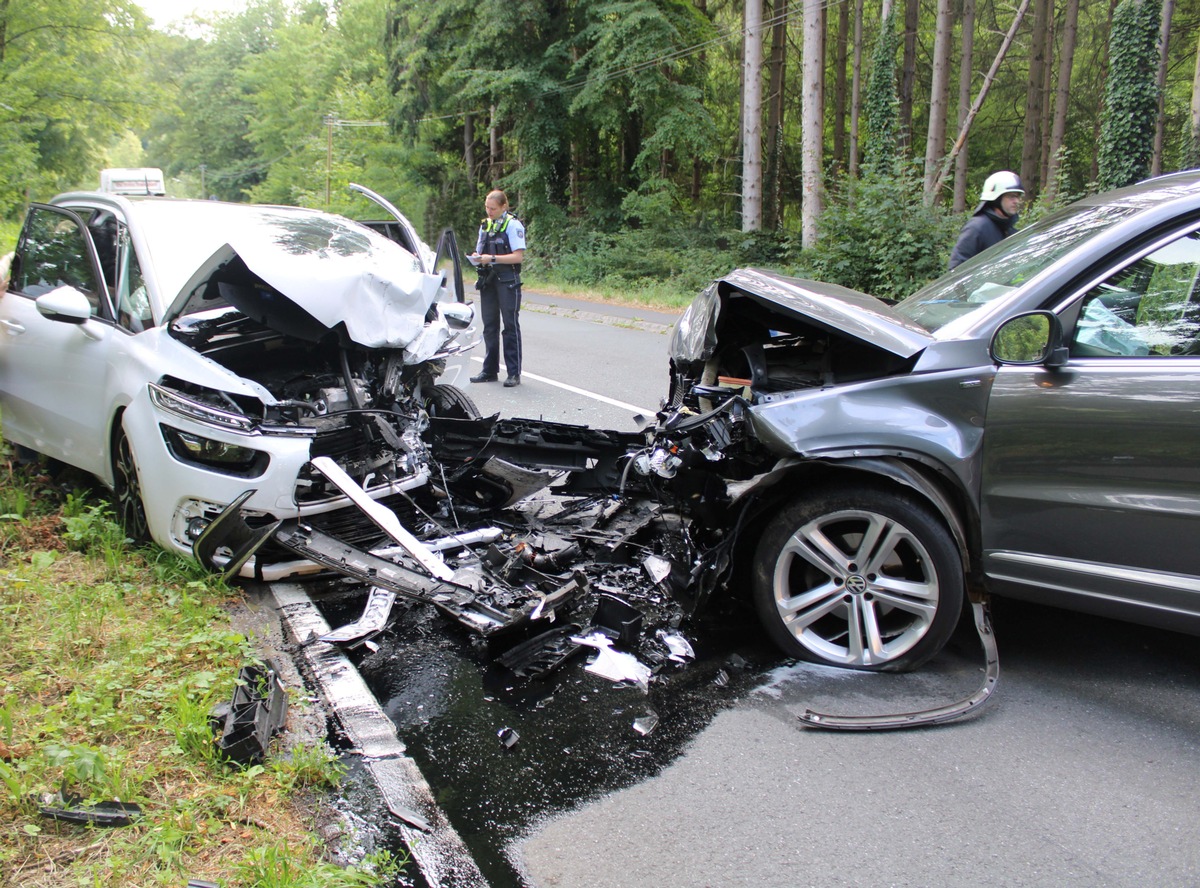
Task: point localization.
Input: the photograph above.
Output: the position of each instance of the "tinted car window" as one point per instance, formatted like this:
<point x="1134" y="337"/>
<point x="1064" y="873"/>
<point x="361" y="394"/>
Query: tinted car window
<point x="54" y="253"/>
<point x="1148" y="309"/>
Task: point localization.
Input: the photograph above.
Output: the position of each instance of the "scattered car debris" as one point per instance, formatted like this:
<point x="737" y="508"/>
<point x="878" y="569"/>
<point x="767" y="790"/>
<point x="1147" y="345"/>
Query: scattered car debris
<point x="73" y="809"/>
<point x="508" y="737"/>
<point x="616" y="666"/>
<point x="256" y="713"/>
<point x="971" y="705"/>
<point x="373" y="620"/>
<point x="680" y="647"/>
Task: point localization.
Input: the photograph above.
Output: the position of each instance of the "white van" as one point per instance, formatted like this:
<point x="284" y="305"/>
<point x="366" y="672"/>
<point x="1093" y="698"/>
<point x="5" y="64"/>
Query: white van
<point x="143" y="180"/>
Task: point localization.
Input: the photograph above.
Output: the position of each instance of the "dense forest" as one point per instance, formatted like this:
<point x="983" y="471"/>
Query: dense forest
<point x="638" y="139"/>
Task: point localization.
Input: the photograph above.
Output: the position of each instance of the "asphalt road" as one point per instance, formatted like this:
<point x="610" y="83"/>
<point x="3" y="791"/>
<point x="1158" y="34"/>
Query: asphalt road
<point x="586" y="363"/>
<point x="1084" y="769"/>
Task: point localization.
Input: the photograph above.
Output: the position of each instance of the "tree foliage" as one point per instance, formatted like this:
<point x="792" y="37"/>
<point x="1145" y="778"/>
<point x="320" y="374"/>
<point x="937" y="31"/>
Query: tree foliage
<point x="72" y="82"/>
<point x="1131" y="95"/>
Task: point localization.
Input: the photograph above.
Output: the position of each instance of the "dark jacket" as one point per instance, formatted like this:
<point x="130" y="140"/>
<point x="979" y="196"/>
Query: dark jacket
<point x="985" y="228"/>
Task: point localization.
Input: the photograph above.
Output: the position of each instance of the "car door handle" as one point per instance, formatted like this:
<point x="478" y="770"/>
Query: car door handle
<point x="12" y="326"/>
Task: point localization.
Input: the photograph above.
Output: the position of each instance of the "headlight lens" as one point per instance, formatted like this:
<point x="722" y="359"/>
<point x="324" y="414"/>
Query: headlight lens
<point x="230" y="459"/>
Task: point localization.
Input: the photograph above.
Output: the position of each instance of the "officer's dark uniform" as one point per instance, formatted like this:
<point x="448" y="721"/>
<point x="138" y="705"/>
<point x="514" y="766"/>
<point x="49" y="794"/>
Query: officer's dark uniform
<point x="500" y="295"/>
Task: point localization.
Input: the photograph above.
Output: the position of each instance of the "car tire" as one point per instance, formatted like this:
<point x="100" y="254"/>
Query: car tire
<point x="127" y="489"/>
<point x="451" y="402"/>
<point x="858" y="577"/>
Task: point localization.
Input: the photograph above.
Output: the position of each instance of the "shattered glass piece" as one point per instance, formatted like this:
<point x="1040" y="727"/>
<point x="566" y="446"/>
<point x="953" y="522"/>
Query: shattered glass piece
<point x="373" y="619"/>
<point x="680" y="647"/>
<point x="616" y="666"/>
<point x="658" y="569"/>
<point x="508" y="737"/>
<point x="646" y="724"/>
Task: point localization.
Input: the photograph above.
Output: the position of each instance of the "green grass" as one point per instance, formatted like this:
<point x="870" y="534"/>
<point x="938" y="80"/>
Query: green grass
<point x="111" y="659"/>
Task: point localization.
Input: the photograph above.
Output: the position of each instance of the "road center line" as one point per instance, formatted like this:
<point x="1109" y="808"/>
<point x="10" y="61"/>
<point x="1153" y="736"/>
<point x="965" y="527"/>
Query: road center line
<point x="612" y="402"/>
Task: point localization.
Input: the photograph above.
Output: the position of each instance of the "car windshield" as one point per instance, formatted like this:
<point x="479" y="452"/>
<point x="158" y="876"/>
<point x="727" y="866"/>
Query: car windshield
<point x="1014" y="261"/>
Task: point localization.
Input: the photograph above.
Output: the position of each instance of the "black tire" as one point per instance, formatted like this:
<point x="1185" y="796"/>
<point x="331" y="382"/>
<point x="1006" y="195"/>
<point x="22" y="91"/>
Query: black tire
<point x="451" y="402"/>
<point x="127" y="489"/>
<point x="859" y="577"/>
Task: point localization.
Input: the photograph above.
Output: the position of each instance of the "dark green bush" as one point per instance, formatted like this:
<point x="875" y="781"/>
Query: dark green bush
<point x="877" y="235"/>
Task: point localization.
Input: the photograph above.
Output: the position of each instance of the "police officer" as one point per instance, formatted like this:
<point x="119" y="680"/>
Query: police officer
<point x="498" y="254"/>
<point x="994" y="219"/>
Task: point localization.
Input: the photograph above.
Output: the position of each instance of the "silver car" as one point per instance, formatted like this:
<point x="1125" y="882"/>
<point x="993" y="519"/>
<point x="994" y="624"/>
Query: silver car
<point x="183" y="351"/>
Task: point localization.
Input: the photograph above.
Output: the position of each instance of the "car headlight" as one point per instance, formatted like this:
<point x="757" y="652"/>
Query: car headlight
<point x="174" y="402"/>
<point x="231" y="459"/>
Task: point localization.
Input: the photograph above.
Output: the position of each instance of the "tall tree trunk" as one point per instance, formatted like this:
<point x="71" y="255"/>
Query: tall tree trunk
<point x="1095" y="172"/>
<point x="469" y="146"/>
<point x="856" y="85"/>
<point x="839" y="85"/>
<point x="493" y="150"/>
<point x="771" y="183"/>
<point x="965" y="71"/>
<point x="939" y="92"/>
<point x="1047" y="94"/>
<point x="812" y="132"/>
<point x="978" y="103"/>
<point x="697" y="170"/>
<point x="1058" y="131"/>
<point x="752" y="119"/>
<point x="908" y="73"/>
<point x="1194" y="148"/>
<point x="1031" y="152"/>
<point x="1168" y="10"/>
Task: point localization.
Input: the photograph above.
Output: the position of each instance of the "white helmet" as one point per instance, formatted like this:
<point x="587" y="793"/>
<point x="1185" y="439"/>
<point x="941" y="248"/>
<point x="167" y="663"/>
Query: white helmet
<point x="998" y="184"/>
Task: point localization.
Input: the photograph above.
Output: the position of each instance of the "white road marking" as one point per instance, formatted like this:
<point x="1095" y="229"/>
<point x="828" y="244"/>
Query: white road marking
<point x="612" y="402"/>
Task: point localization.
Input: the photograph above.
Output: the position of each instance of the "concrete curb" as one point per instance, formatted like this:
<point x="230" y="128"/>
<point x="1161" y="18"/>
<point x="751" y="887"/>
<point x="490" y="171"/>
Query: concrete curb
<point x="436" y="847"/>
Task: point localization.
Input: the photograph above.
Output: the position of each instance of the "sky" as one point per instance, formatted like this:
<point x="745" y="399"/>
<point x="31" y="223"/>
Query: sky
<point x="164" y="12"/>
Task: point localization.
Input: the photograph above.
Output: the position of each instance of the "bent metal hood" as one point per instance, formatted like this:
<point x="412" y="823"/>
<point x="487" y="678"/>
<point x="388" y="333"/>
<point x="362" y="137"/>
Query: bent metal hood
<point x="829" y="307"/>
<point x="304" y="274"/>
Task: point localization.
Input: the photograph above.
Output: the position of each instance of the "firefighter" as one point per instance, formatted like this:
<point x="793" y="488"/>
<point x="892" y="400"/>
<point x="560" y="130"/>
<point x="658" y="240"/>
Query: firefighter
<point x="994" y="219"/>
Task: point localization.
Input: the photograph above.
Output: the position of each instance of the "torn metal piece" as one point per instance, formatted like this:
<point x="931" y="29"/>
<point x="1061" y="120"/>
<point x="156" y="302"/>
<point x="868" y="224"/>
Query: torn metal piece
<point x="384" y="517"/>
<point x="508" y="737"/>
<point x="255" y="714"/>
<point x="347" y="560"/>
<point x="938" y="715"/>
<point x="73" y="809"/>
<point x="616" y="666"/>
<point x="374" y="617"/>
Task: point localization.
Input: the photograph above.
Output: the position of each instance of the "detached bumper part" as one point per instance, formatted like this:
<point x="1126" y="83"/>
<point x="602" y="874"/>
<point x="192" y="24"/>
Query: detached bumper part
<point x="255" y="714"/>
<point x="937" y="715"/>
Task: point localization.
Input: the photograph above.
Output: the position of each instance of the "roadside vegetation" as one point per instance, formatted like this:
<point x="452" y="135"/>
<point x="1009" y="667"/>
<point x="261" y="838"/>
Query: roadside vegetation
<point x="112" y="658"/>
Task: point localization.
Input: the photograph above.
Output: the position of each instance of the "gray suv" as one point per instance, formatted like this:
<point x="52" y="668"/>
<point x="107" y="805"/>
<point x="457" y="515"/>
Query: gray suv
<point x="1029" y="422"/>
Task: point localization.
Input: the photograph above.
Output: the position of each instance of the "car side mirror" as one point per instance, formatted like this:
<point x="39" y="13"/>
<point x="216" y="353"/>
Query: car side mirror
<point x="458" y="315"/>
<point x="65" y="304"/>
<point x="1032" y="338"/>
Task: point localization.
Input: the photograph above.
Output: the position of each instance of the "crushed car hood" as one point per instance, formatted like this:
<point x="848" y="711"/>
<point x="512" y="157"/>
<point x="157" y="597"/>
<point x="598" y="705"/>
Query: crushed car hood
<point x="321" y="272"/>
<point x="828" y="306"/>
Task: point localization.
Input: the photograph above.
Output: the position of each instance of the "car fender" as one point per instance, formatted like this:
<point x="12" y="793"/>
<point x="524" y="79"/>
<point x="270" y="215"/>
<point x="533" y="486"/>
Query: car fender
<point x="936" y="485"/>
